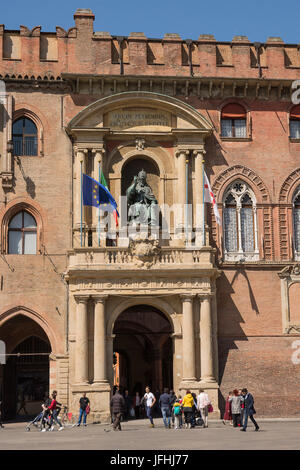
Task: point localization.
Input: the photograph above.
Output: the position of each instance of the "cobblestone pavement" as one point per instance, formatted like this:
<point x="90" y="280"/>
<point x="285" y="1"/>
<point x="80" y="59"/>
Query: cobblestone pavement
<point x="136" y="435"/>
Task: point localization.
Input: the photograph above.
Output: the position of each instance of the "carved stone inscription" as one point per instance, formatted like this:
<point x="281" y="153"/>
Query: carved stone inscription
<point x="139" y="117"/>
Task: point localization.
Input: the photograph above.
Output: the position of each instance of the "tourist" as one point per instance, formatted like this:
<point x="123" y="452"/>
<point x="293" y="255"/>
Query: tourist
<point x="177" y="413"/>
<point x="118" y="407"/>
<point x="128" y="404"/>
<point x="187" y="406"/>
<point x="84" y="404"/>
<point x="172" y="401"/>
<point x="236" y="401"/>
<point x="227" y="415"/>
<point x="137" y="405"/>
<point x="165" y="406"/>
<point x="202" y="405"/>
<point x="150" y="401"/>
<point x="179" y="398"/>
<point x="249" y="410"/>
<point x="242" y="406"/>
<point x="54" y="409"/>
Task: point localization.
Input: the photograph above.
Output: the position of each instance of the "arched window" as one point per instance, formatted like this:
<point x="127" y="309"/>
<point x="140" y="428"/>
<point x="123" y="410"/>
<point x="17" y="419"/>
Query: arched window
<point x="233" y="121"/>
<point x="25" y="135"/>
<point x="295" y="122"/>
<point x="22" y="234"/>
<point x="240" y="227"/>
<point x="296" y="220"/>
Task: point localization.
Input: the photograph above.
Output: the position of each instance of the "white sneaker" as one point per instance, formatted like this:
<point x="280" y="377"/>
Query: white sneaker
<point x="61" y="428"/>
<point x="43" y="430"/>
<point x="52" y="428"/>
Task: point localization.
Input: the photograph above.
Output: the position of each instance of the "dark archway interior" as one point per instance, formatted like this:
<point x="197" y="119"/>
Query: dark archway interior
<point x="24" y="379"/>
<point x="144" y="350"/>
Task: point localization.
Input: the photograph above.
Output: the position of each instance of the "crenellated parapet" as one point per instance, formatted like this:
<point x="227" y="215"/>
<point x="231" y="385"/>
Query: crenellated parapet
<point x="98" y="52"/>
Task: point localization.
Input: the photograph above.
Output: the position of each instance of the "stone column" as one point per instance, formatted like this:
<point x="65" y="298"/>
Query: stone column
<point x="188" y="338"/>
<point x="81" y="355"/>
<point x="98" y="233"/>
<point x="100" y="372"/>
<point x="80" y="158"/>
<point x="207" y="362"/>
<point x="181" y="183"/>
<point x="199" y="212"/>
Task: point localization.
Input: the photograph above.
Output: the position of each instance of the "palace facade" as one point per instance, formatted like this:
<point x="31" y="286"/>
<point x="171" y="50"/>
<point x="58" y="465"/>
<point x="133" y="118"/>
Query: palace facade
<point x="86" y="304"/>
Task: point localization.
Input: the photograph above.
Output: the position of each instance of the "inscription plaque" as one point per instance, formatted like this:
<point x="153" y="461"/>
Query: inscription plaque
<point x="131" y="118"/>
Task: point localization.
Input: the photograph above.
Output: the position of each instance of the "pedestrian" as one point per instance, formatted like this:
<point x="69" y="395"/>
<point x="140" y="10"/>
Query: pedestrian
<point x="173" y="398"/>
<point x="118" y="407"/>
<point x="202" y="405"/>
<point x="227" y="415"/>
<point x="242" y="406"/>
<point x="177" y="413"/>
<point x="236" y="401"/>
<point x="165" y="406"/>
<point x="137" y="405"/>
<point x="249" y="410"/>
<point x="22" y="403"/>
<point x="84" y="406"/>
<point x="54" y="409"/>
<point x="1" y="425"/>
<point x="179" y="398"/>
<point x="128" y="405"/>
<point x="149" y="400"/>
<point x="45" y="419"/>
<point x="187" y="406"/>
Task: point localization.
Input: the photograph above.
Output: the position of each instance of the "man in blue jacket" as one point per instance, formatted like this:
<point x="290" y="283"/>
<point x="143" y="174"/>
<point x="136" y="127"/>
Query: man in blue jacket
<point x="249" y="410"/>
<point x="165" y="406"/>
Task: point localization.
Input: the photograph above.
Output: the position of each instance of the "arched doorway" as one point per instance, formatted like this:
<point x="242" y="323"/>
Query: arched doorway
<point x="25" y="376"/>
<point x="143" y="349"/>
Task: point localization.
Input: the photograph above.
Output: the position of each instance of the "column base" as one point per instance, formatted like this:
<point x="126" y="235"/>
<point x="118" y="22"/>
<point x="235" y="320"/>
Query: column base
<point x="99" y="395"/>
<point x="99" y="383"/>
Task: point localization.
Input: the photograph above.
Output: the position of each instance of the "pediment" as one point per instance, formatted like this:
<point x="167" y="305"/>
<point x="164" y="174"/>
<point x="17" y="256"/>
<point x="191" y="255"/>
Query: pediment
<point x="140" y="112"/>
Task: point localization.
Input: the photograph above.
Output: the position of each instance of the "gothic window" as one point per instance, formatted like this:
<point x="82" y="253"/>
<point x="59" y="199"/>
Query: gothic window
<point x="295" y="122"/>
<point x="240" y="227"/>
<point x="25" y="139"/>
<point x="296" y="217"/>
<point x="233" y="121"/>
<point x="22" y="234"/>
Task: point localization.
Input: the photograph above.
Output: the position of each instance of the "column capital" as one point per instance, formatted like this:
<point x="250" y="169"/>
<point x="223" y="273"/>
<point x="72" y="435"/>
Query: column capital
<point x="81" y="298"/>
<point x="185" y="152"/>
<point x="187" y="297"/>
<point x="99" y="298"/>
<point x="200" y="151"/>
<point x="100" y="150"/>
<point x="203" y="297"/>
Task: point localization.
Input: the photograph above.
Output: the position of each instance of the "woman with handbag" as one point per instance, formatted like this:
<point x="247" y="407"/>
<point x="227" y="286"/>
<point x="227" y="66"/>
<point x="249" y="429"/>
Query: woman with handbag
<point x="203" y="403"/>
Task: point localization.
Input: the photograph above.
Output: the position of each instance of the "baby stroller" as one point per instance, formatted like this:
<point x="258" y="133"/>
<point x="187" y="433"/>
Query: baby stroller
<point x="42" y="416"/>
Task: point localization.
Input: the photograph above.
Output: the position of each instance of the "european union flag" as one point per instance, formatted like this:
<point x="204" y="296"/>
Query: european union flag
<point x="95" y="194"/>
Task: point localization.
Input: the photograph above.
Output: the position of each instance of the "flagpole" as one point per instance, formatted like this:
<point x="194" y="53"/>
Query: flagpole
<point x="81" y="203"/>
<point x="203" y="204"/>
<point x="99" y="171"/>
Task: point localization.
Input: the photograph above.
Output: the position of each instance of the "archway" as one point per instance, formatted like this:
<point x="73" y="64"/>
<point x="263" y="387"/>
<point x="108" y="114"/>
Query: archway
<point x="25" y="376"/>
<point x="143" y="346"/>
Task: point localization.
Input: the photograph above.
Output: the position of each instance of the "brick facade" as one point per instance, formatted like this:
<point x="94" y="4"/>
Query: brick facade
<point x="53" y="77"/>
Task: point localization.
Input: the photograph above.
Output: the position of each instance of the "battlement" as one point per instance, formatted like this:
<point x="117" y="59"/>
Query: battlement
<point x="80" y="49"/>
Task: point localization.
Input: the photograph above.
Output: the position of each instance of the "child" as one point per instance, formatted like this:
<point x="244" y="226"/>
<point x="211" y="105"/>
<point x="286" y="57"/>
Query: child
<point x="177" y="413"/>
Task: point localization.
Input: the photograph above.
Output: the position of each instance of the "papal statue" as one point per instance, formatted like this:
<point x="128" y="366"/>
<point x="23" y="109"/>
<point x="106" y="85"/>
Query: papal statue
<point x="142" y="205"/>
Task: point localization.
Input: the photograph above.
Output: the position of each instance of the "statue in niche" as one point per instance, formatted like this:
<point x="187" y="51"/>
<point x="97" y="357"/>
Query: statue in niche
<point x="142" y="205"/>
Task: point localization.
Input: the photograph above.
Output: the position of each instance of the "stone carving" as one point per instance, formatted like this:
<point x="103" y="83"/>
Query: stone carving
<point x="292" y="328"/>
<point x="142" y="204"/>
<point x="145" y="252"/>
<point x="292" y="270"/>
<point x="140" y="143"/>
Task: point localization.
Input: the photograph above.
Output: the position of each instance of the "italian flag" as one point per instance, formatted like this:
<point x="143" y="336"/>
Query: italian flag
<point x="209" y="197"/>
<point x="104" y="183"/>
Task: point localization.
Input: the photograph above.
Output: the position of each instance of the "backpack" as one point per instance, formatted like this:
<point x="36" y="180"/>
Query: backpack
<point x="177" y="410"/>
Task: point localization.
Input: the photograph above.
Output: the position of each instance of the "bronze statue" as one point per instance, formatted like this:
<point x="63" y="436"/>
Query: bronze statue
<point x="142" y="204"/>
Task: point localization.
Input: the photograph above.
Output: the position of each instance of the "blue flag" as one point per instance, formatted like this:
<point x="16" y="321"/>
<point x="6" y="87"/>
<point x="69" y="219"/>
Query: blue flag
<point x="95" y="194"/>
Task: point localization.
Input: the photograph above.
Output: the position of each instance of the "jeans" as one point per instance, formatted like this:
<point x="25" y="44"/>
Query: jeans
<point x="149" y="413"/>
<point x="246" y="415"/>
<point x="117" y="419"/>
<point x="54" y="417"/>
<point x="166" y="414"/>
<point x="82" y="412"/>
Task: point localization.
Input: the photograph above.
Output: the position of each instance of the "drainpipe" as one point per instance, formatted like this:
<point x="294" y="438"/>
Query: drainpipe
<point x="257" y="46"/>
<point x="189" y="44"/>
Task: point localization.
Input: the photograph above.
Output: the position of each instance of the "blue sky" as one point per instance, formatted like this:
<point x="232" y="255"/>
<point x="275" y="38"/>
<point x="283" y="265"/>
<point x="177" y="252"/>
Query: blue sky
<point x="257" y="19"/>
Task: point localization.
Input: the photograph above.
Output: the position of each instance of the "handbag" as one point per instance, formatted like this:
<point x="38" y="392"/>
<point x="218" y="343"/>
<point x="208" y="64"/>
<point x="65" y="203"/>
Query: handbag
<point x="87" y="410"/>
<point x="210" y="408"/>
